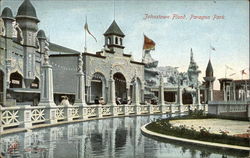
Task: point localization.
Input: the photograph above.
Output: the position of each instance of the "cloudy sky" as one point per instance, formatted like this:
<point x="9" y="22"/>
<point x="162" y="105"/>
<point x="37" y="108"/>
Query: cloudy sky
<point x="224" y="26"/>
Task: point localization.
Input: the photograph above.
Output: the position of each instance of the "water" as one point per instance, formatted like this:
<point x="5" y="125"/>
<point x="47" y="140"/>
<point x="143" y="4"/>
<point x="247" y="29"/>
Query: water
<point x="112" y="137"/>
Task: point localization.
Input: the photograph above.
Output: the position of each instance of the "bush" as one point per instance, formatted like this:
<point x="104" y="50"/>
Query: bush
<point x="163" y="126"/>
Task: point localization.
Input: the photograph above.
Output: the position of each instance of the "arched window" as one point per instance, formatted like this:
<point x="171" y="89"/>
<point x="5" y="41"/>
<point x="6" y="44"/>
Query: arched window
<point x="109" y="40"/>
<point x="16" y="80"/>
<point x="116" y="40"/>
<point x="120" y="41"/>
<point x="35" y="84"/>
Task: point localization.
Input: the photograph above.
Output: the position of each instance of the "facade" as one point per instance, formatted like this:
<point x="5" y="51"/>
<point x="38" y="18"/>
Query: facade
<point x="109" y="63"/>
<point x="20" y="56"/>
<point x="22" y="69"/>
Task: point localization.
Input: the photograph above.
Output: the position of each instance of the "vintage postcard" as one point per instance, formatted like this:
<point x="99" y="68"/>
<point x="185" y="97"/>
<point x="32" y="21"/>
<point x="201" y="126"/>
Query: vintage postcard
<point x="124" y="78"/>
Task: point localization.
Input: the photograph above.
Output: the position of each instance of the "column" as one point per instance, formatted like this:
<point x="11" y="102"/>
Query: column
<point x="25" y="116"/>
<point x="111" y="94"/>
<point x="224" y="90"/>
<point x="179" y="100"/>
<point x="234" y="94"/>
<point x="210" y="91"/>
<point x="136" y="99"/>
<point x="80" y="89"/>
<point x="47" y="92"/>
<point x="88" y="94"/>
<point x="161" y="94"/>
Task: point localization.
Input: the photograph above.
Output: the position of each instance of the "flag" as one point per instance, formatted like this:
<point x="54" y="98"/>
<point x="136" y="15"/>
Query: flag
<point x="148" y="43"/>
<point x="87" y="29"/>
<point x="212" y="48"/>
<point x="228" y="67"/>
<point x="232" y="74"/>
<point x="243" y="72"/>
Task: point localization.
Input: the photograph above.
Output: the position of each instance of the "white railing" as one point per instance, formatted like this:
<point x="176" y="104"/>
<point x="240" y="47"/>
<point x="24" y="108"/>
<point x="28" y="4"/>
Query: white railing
<point x="75" y="112"/>
<point x="120" y="110"/>
<point x="130" y="109"/>
<point x="38" y="114"/>
<point x="106" y="110"/>
<point x="92" y="111"/>
<point x="156" y="109"/>
<point x="9" y="116"/>
<point x="60" y="113"/>
<point x="28" y="116"/>
<point x="144" y="109"/>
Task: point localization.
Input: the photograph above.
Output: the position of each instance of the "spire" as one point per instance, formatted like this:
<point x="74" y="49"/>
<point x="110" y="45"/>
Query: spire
<point x="26" y="9"/>
<point x="209" y="70"/>
<point x="191" y="56"/>
<point x="114" y="29"/>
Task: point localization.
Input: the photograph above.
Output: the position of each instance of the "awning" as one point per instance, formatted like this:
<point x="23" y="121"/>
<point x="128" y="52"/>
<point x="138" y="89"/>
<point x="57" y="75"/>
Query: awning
<point x="24" y="90"/>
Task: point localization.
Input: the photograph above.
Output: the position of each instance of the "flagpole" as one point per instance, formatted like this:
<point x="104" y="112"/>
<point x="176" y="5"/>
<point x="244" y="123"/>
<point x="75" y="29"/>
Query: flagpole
<point x="142" y="49"/>
<point x="85" y="47"/>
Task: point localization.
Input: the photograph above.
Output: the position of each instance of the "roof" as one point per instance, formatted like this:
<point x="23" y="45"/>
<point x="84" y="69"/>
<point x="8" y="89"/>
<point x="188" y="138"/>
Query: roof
<point x="26" y="9"/>
<point x="7" y="13"/>
<point x="60" y="49"/>
<point x="209" y="70"/>
<point x="41" y="34"/>
<point x="114" y="29"/>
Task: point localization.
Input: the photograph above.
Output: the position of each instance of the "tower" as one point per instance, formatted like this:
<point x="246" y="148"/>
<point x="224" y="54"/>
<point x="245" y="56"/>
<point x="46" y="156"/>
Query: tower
<point x="27" y="20"/>
<point x="8" y="19"/>
<point x="193" y="72"/>
<point x="209" y="81"/>
<point x="114" y="38"/>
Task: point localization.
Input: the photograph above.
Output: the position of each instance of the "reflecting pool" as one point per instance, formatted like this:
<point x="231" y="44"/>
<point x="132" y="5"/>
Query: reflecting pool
<point x="111" y="137"/>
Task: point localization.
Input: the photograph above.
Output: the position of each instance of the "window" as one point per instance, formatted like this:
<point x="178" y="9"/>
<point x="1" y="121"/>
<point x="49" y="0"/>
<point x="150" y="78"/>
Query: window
<point x="109" y="40"/>
<point x="116" y="40"/>
<point x="121" y="41"/>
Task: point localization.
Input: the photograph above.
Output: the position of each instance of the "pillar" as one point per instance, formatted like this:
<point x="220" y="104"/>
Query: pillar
<point x="136" y="99"/>
<point x="136" y="96"/>
<point x="80" y="89"/>
<point x="111" y="94"/>
<point x="88" y="94"/>
<point x="210" y="92"/>
<point x="179" y="100"/>
<point x="47" y="92"/>
<point x="161" y="92"/>
<point x="25" y="116"/>
<point x="234" y="93"/>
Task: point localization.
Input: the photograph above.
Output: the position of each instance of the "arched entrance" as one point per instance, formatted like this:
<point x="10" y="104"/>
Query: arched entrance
<point x="1" y="86"/>
<point x="120" y="86"/>
<point x="98" y="86"/>
<point x="16" y="80"/>
<point x="187" y="98"/>
<point x="35" y="83"/>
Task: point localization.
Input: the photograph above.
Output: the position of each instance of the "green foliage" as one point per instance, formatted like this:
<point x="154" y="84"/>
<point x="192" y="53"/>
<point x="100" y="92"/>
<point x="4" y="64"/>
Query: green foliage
<point x="163" y="126"/>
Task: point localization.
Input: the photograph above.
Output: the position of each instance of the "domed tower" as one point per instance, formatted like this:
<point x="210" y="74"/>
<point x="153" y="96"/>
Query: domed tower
<point x="209" y="81"/>
<point x="8" y="19"/>
<point x="27" y="20"/>
<point x="42" y="39"/>
<point x="114" y="38"/>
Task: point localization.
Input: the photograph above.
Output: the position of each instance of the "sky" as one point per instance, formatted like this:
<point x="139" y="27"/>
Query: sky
<point x="219" y="24"/>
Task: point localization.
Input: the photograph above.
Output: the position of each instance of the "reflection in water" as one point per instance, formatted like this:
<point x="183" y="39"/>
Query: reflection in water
<point x="115" y="137"/>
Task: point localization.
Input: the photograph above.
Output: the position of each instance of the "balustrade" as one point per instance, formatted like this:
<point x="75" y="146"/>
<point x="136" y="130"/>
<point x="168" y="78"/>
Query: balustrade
<point x="27" y="116"/>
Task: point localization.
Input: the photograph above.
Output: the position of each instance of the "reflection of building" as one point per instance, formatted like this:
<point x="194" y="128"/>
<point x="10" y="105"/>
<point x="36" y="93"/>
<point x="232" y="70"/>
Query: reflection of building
<point x="22" y="55"/>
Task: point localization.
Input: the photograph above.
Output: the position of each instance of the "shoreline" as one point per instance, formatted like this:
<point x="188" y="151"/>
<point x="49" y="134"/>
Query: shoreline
<point x="192" y="141"/>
